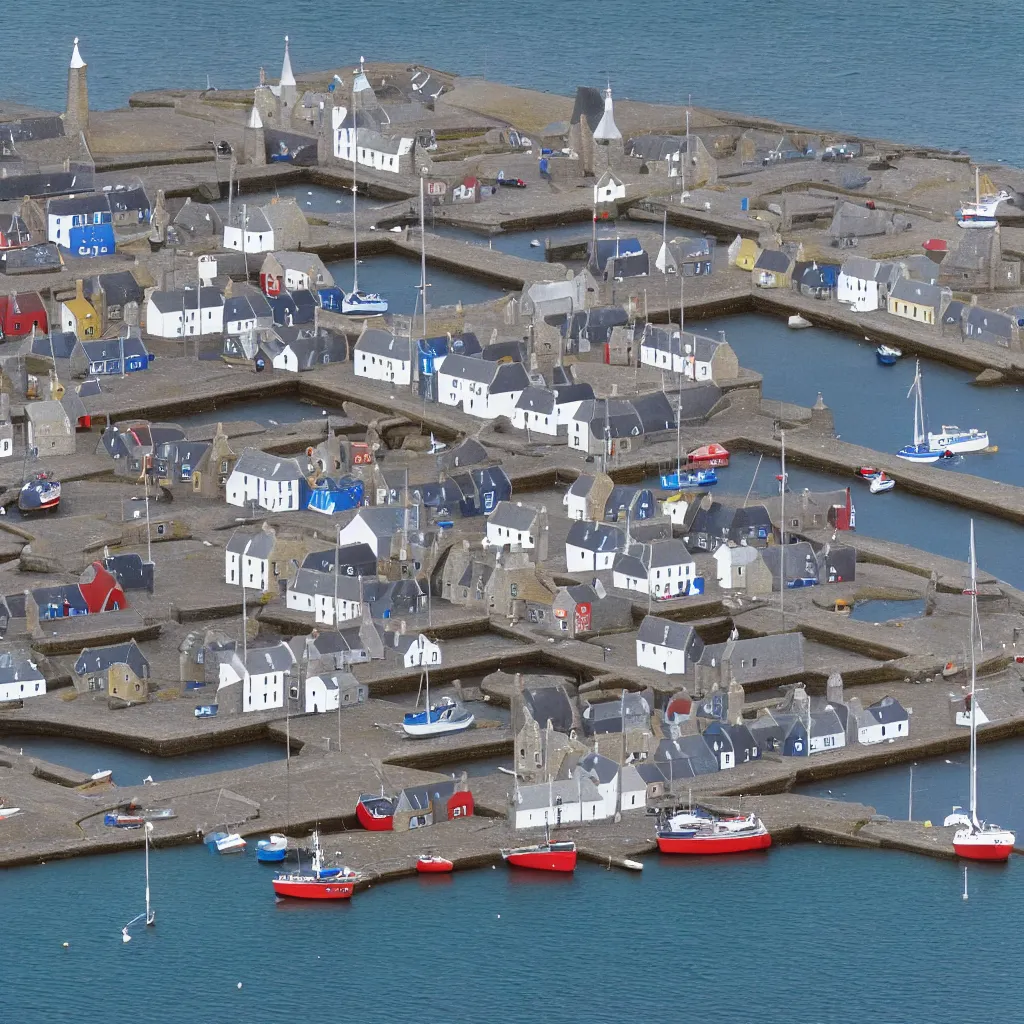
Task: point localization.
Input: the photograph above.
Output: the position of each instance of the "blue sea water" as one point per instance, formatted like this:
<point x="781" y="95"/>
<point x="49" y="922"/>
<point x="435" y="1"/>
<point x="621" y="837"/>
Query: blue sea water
<point x="798" y="934"/>
<point x="887" y="69"/>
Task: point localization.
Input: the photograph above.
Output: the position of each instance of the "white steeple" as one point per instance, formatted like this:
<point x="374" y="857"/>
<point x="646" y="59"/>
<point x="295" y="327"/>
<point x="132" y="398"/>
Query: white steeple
<point x="287" y="78"/>
<point x="76" y="57"/>
<point x="255" y="121"/>
<point x="607" y="130"/>
<point x="361" y="83"/>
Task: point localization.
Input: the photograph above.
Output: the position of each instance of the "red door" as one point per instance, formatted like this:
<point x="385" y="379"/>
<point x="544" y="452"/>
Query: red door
<point x="582" y="620"/>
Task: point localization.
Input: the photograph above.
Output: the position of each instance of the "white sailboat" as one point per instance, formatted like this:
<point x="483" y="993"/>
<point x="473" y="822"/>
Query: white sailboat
<point x="930" y="447"/>
<point x="149" y="916"/>
<point x="981" y="213"/>
<point x="357" y="303"/>
<point x="974" y="839"/>
<point x="443" y="717"/>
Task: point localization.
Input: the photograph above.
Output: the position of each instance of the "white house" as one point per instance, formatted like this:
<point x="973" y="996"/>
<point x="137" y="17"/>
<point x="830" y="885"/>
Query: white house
<point x="608" y="189"/>
<point x="675" y="508"/>
<point x="296" y="271"/>
<point x="414" y="650"/>
<point x="264" y="675"/>
<point x="864" y="284"/>
<point x="664" y="646"/>
<point x="379" y="355"/>
<point x="185" y="312"/>
<point x="331" y="692"/>
<point x="482" y="387"/>
<point x="885" y="720"/>
<point x="732" y="563"/>
<point x="662" y="568"/>
<point x="633" y="789"/>
<point x="376" y="526"/>
<point x="561" y="802"/>
<point x="250" y="231"/>
<point x="317" y="592"/>
<point x="535" y="412"/>
<point x="19" y="679"/>
<point x="513" y="525"/>
<point x="272" y="482"/>
<point x="591" y="547"/>
<point x="247" y="560"/>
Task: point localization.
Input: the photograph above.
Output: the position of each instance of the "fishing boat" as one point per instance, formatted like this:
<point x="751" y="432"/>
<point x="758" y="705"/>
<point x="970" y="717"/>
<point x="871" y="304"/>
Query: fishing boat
<point x="882" y="483"/>
<point x="124" y="820"/>
<point x="376" y="813"/>
<point x="711" y="455"/>
<point x="696" y="478"/>
<point x="356" y="302"/>
<point x="797" y="322"/>
<point x="431" y="864"/>
<point x="272" y="850"/>
<point x="438" y="719"/>
<point x="40" y="494"/>
<point x="975" y="839"/>
<point x="704" y="833"/>
<point x="982" y="212"/>
<point x="887" y="355"/>
<point x="930" y="447"/>
<point x="319" y="883"/>
<point x="224" y="842"/>
<point x="546" y="856"/>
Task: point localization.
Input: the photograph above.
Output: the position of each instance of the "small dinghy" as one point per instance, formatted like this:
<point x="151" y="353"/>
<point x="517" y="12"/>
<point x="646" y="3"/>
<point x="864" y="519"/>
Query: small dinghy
<point x="224" y="842"/>
<point x="102" y="776"/>
<point x="535" y="243"/>
<point x="272" y="850"/>
<point x="887" y="355"/>
<point x="431" y="864"/>
<point x="798" y="323"/>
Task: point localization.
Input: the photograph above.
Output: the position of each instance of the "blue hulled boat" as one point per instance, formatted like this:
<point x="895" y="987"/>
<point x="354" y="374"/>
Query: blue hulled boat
<point x="272" y="850"/>
<point x="696" y="478"/>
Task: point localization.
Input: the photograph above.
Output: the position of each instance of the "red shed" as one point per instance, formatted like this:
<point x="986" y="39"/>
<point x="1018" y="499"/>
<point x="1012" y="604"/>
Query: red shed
<point x="460" y="804"/>
<point x="844" y="516"/>
<point x="101" y="590"/>
<point x="20" y="312"/>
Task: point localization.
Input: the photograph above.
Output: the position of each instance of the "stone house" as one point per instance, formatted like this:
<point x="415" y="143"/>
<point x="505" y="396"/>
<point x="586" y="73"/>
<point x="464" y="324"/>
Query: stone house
<point x="211" y="472"/>
<point x="119" y="670"/>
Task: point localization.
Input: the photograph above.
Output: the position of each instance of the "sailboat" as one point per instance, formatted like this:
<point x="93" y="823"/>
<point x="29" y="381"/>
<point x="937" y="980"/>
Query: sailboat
<point x="438" y="719"/>
<point x="981" y="214"/>
<point x="150" y="914"/>
<point x="359" y="303"/>
<point x="974" y="839"/>
<point x="930" y="447"/>
<point x="703" y="833"/>
<point x="319" y="883"/>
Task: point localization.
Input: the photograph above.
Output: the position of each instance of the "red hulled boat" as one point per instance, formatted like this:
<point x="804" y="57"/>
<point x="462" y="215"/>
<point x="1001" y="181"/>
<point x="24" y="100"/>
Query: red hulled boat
<point x="546" y="856"/>
<point x="705" y="834"/>
<point x="320" y="883"/>
<point x="709" y="455"/>
<point x="431" y="864"/>
<point x="376" y="813"/>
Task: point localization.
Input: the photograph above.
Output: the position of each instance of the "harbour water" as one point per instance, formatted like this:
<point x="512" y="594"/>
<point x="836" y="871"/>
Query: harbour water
<point x="130" y="767"/>
<point x="827" y="72"/>
<point x="802" y="933"/>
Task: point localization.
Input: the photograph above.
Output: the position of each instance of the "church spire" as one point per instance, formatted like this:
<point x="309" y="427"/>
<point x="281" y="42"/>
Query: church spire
<point x="287" y="78"/>
<point x="607" y="130"/>
<point x="76" y="57"/>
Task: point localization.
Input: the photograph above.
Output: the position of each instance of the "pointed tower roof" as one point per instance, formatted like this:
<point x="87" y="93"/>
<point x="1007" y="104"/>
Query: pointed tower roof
<point x="255" y="121"/>
<point x="607" y="130"/>
<point x="361" y="83"/>
<point x="76" y="57"/>
<point x="287" y="78"/>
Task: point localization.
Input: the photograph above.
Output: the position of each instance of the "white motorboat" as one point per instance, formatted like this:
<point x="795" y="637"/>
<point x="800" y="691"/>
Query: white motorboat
<point x="882" y="483"/>
<point x="443" y="717"/>
<point x="224" y="842"/>
<point x="9" y="812"/>
<point x="957" y="441"/>
<point x="535" y="243"/>
<point x="798" y="322"/>
<point x="357" y="303"/>
<point x="101" y="776"/>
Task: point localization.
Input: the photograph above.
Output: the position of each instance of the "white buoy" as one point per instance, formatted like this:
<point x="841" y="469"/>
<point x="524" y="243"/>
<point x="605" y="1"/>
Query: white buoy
<point x="309" y="193"/>
<point x="66" y="945"/>
<point x="239" y="984"/>
<point x="499" y="917"/>
<point x="125" y="937"/>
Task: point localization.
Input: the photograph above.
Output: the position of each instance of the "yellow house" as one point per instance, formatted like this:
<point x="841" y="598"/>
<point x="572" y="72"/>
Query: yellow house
<point x="79" y="316"/>
<point x="743" y="253"/>
<point x="917" y="301"/>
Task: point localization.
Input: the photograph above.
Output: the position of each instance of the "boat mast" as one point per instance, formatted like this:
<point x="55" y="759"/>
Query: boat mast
<point x="974" y="714"/>
<point x="150" y="914"/>
<point x="423" y="262"/>
<point x="355" y="230"/>
<point x="782" y="552"/>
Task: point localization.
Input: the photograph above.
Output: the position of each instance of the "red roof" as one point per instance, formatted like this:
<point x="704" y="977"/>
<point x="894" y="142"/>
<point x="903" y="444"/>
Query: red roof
<point x="936" y="245"/>
<point x="470" y="182"/>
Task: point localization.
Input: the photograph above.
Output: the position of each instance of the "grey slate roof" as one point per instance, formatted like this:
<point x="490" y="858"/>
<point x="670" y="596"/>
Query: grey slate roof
<point x="582" y="485"/>
<point x="665" y="633"/>
<point x="186" y="298"/>
<point x="514" y="516"/>
<point x="774" y="260"/>
<point x="261" y="660"/>
<point x="989" y="321"/>
<point x="253" y="462"/>
<point x="917" y="291"/>
<point x="383" y="343"/>
<point x="260" y="544"/>
<point x="474" y="368"/>
<point x="99" y="659"/>
<point x="596" y="537"/>
<point x="538" y="400"/>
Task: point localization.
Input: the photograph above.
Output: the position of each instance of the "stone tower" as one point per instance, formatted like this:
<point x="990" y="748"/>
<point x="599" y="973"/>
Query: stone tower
<point x="76" y="117"/>
<point x="822" y="420"/>
<point x="287" y="89"/>
<point x="254" y="142"/>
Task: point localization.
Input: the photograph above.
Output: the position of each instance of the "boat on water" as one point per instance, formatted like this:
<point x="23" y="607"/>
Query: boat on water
<point x="376" y="813"/>
<point x="929" y="446"/>
<point x="546" y="856"/>
<point x="975" y="839"/>
<point x="699" y="832"/>
<point x="319" y="883"/>
<point x="887" y="355"/>
<point x="224" y="842"/>
<point x="882" y="483"/>
<point x="710" y="455"/>
<point x="798" y="322"/>
<point x="272" y="850"/>
<point x="695" y="478"/>
<point x="431" y="864"/>
<point x="982" y="212"/>
<point x="39" y="494"/>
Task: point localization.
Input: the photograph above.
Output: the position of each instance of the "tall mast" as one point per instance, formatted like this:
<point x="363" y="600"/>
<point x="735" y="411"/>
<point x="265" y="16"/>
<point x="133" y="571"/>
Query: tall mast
<point x="782" y="553"/>
<point x="355" y="230"/>
<point x="423" y="262"/>
<point x="974" y="721"/>
<point x="150" y="915"/>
